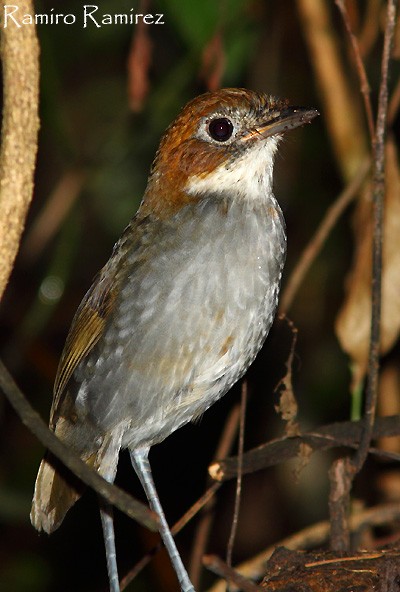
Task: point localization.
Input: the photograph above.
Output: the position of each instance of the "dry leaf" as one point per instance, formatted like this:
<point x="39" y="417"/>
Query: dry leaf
<point x="354" y="319"/>
<point x="287" y="406"/>
<point x="303" y="458"/>
<point x="389" y="402"/>
<point x="139" y="61"/>
<point x="213" y="62"/>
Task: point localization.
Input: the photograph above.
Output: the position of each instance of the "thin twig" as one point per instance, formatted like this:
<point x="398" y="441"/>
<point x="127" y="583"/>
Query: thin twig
<point x="115" y="496"/>
<point x="204" y="502"/>
<point x="364" y="84"/>
<point x="394" y="103"/>
<point x="177" y="527"/>
<point x="139" y="62"/>
<point x="235" y="518"/>
<point x="378" y="213"/>
<point x="339" y="501"/>
<point x="335" y="435"/>
<point x="216" y="565"/>
<point x="331" y="217"/>
<point x="53" y="214"/>
<point x="203" y="529"/>
<point x="314" y="246"/>
<point x="342" y="114"/>
<point x="370" y="30"/>
<point x="194" y="509"/>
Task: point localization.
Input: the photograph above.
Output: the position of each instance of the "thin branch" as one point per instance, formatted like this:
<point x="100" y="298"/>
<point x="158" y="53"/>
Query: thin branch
<point x="339" y="504"/>
<point x="330" y="219"/>
<point x="216" y="565"/>
<point x="194" y="509"/>
<point x="203" y="529"/>
<point x="20" y="61"/>
<point x="205" y="503"/>
<point x="340" y="106"/>
<point x="342" y="434"/>
<point x="394" y="103"/>
<point x="364" y="84"/>
<point x="53" y="214"/>
<point x="235" y="518"/>
<point x="115" y="496"/>
<point x="378" y="213"/>
<point x="139" y="62"/>
<point x="370" y="30"/>
<point x="313" y="248"/>
<point x="177" y="527"/>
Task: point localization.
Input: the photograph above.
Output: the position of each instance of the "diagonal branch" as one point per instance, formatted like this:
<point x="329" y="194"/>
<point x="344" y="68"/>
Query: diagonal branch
<point x="365" y="88"/>
<point x="316" y="243"/>
<point x="36" y="425"/>
<point x="342" y="434"/>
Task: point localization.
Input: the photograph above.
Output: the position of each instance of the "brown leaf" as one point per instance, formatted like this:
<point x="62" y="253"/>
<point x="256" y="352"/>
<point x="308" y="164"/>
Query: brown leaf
<point x="303" y="458"/>
<point x="287" y="406"/>
<point x="139" y="61"/>
<point x="389" y="402"/>
<point x="354" y="319"/>
<point x="213" y="62"/>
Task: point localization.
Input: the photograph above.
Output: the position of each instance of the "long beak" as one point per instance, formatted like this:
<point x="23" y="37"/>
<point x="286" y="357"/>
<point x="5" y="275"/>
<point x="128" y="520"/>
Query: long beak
<point x="289" y="118"/>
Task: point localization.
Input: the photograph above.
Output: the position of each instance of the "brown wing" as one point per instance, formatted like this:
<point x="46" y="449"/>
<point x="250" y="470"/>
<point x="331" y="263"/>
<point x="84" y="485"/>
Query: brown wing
<point x="86" y="330"/>
<point x="91" y="317"/>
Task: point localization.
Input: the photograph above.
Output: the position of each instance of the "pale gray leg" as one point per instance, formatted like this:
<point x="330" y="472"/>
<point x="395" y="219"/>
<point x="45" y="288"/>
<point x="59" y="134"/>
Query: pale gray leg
<point x="107" y="522"/>
<point x="142" y="467"/>
<point x="108" y="454"/>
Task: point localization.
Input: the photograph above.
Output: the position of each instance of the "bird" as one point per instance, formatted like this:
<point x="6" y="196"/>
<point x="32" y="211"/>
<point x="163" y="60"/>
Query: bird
<point x="180" y="310"/>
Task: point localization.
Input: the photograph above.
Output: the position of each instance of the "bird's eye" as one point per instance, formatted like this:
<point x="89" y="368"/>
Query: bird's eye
<point x="220" y="129"/>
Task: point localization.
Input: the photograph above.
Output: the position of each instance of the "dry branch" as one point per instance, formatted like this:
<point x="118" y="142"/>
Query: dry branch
<point x="205" y="522"/>
<point x="313" y="249"/>
<point x="343" y="434"/>
<point x="20" y="60"/>
<point x="216" y="565"/>
<point x="115" y="496"/>
<point x="340" y="104"/>
<point x="235" y="518"/>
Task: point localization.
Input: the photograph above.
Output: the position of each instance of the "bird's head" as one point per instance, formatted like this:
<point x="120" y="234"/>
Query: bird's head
<point x="223" y="144"/>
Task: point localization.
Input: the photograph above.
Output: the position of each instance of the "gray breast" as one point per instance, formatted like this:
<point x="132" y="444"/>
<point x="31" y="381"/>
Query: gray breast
<point x="191" y="315"/>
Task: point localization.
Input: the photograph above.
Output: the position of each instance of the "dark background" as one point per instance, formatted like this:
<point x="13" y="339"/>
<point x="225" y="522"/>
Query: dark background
<point x="96" y="145"/>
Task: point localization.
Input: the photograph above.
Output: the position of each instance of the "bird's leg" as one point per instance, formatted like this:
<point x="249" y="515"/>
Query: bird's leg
<point x="107" y="522"/>
<point x="140" y="462"/>
<point x="109" y="461"/>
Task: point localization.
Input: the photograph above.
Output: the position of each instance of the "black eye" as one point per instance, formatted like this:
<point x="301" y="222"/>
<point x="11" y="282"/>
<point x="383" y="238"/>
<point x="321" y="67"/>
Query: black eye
<point x="220" y="129"/>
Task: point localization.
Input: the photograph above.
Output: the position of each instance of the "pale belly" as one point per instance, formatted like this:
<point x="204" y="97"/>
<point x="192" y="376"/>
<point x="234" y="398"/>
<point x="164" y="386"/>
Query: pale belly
<point x="187" y="324"/>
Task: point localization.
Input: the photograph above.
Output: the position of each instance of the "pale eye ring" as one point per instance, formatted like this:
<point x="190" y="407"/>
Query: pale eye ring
<point x="220" y="129"/>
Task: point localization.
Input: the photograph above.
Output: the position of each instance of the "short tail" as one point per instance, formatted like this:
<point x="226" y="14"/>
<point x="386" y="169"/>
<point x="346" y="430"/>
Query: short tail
<point x="57" y="488"/>
<point x="56" y="491"/>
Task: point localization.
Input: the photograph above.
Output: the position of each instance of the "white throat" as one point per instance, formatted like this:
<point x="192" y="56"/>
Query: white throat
<point x="248" y="177"/>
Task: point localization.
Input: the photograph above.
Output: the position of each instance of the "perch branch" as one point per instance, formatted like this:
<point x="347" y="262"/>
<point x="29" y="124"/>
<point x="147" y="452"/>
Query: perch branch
<point x="115" y="496"/>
